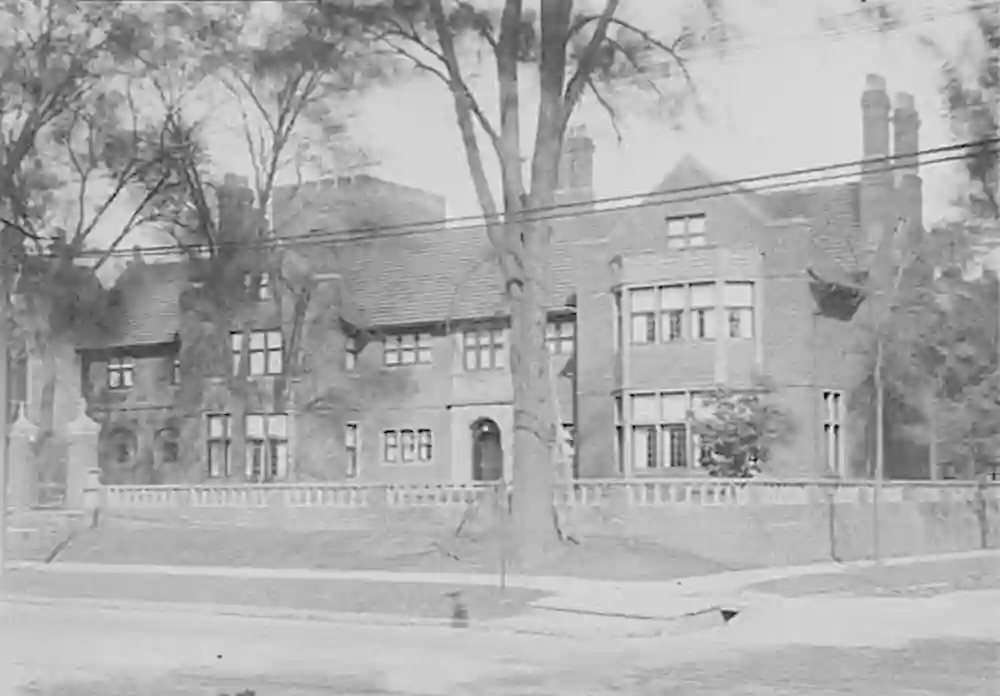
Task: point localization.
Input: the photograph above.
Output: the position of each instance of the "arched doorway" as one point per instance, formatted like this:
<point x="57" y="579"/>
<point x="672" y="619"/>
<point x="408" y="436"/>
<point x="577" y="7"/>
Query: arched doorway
<point x="487" y="451"/>
<point x="121" y="448"/>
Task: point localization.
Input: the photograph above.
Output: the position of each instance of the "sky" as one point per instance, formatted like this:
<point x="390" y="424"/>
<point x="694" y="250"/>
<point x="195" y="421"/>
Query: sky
<point x="785" y="95"/>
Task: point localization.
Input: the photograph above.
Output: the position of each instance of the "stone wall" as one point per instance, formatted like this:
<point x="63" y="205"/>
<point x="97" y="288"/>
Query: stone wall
<point x="735" y="523"/>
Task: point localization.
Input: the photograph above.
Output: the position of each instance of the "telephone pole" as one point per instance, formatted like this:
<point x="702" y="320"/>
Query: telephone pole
<point x="885" y="261"/>
<point x="5" y="277"/>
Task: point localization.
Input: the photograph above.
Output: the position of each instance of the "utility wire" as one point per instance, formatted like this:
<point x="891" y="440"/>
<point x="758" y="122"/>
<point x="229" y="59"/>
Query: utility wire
<point x="748" y="185"/>
<point x="477" y="221"/>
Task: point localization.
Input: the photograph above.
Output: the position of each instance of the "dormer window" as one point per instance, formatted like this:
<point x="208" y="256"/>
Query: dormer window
<point x="686" y="231"/>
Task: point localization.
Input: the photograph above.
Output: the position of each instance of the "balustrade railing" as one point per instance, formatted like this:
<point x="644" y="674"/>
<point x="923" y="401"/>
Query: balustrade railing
<point x="644" y="492"/>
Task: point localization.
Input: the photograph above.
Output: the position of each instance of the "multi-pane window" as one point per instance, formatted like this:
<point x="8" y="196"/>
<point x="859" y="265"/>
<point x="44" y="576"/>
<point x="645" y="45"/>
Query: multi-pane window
<point x="833" y="423"/>
<point x="425" y="445"/>
<point x="407" y="446"/>
<point x="559" y="337"/>
<point x="483" y="349"/>
<point x="672" y="305"/>
<point x="644" y="315"/>
<point x="568" y="442"/>
<point x="390" y="446"/>
<point x="618" y="321"/>
<point x="739" y="309"/>
<point x="702" y="311"/>
<point x="350" y="353"/>
<point x="619" y="435"/>
<point x="672" y="313"/>
<point x="218" y="445"/>
<point x="686" y="231"/>
<point x="267" y="446"/>
<point x="258" y="285"/>
<point x="17" y="385"/>
<point x="407" y="349"/>
<point x="352" y="448"/>
<point x="175" y="371"/>
<point x="661" y="436"/>
<point x="265" y="354"/>
<point x="120" y="372"/>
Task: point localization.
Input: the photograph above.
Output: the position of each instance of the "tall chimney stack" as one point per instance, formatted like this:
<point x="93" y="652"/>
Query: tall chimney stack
<point x="876" y="177"/>
<point x="906" y="160"/>
<point x="576" y="168"/>
<point x="237" y="217"/>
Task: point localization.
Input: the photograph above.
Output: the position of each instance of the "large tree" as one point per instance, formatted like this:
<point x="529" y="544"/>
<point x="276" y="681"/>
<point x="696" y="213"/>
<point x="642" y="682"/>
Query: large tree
<point x="81" y="169"/>
<point x="577" y="51"/>
<point x="929" y="336"/>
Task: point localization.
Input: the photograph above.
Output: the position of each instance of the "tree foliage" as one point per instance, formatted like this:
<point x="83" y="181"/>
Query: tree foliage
<point x="739" y="430"/>
<point x="938" y="332"/>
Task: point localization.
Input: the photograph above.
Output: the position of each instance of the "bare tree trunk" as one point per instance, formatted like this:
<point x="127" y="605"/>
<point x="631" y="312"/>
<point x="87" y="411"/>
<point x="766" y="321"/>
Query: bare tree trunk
<point x="534" y="431"/>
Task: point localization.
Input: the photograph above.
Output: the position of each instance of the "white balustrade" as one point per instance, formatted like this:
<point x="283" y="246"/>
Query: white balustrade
<point x="581" y="493"/>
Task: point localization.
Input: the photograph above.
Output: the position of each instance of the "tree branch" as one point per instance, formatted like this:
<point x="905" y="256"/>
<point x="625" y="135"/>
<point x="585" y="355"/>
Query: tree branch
<point x="608" y="108"/>
<point x="510" y="116"/>
<point x="448" y="76"/>
<point x="465" y="107"/>
<point x="588" y="59"/>
<point x="131" y="223"/>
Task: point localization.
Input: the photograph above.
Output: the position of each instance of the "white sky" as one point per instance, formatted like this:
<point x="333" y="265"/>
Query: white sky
<point x="786" y="96"/>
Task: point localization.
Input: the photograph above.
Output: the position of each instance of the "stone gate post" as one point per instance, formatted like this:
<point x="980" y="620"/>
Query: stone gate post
<point x="82" y="456"/>
<point x="22" y="482"/>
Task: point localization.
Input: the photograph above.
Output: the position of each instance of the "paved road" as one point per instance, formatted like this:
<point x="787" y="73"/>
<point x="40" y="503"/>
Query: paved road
<point x="947" y="645"/>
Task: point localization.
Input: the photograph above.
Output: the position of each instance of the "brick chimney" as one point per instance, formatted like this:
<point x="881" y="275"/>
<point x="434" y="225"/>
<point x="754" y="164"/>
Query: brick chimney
<point x="576" y="168"/>
<point x="237" y="216"/>
<point x="906" y="162"/>
<point x="876" y="181"/>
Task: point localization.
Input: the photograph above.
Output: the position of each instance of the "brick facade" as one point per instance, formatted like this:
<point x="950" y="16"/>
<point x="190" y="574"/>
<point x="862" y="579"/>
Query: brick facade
<point x="440" y="285"/>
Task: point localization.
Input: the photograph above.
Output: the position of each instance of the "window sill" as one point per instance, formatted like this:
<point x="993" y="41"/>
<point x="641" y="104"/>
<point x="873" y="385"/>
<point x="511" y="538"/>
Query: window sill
<point x="407" y="465"/>
<point x="672" y="472"/>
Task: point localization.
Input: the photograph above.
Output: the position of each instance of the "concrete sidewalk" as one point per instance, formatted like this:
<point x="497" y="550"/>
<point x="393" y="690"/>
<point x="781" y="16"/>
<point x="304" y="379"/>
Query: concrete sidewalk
<point x="652" y="600"/>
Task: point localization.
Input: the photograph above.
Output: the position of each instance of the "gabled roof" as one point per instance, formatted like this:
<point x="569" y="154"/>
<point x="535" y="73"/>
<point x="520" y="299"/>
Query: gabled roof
<point x="834" y="213"/>
<point x="427" y="273"/>
<point x="440" y="274"/>
<point x="150" y="305"/>
<point x="694" y="173"/>
<point x="437" y="276"/>
<point x="830" y="212"/>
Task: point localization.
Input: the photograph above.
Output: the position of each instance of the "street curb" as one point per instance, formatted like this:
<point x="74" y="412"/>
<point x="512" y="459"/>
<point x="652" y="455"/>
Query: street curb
<point x="234" y="610"/>
<point x="532" y="623"/>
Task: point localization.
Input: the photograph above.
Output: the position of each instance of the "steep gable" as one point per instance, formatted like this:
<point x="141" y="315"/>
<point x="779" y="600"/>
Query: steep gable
<point x="150" y="305"/>
<point x="690" y="179"/>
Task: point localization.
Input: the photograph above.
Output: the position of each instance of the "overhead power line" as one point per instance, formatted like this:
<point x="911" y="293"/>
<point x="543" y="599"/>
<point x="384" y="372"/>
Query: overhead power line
<point x="793" y="178"/>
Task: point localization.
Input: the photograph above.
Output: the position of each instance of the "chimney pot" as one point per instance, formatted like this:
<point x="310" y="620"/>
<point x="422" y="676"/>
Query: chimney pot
<point x="905" y="102"/>
<point x="874" y="83"/>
